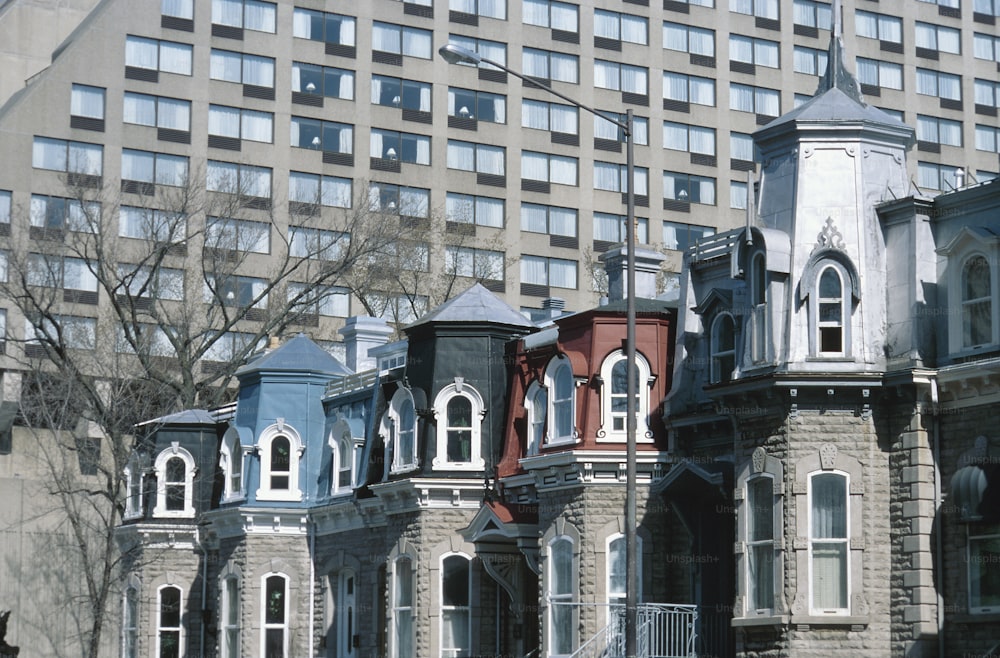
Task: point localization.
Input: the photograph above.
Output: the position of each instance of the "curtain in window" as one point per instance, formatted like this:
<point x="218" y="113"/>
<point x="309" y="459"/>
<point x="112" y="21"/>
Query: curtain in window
<point x="561" y="592"/>
<point x="890" y="75"/>
<point x="703" y="190"/>
<point x="139" y="109"/>
<point x="491" y="50"/>
<point x="535" y="63"/>
<point x="227" y="12"/>
<point x="740" y="49"/>
<point x="703" y="91"/>
<point x="223" y="121"/>
<point x="78" y="274"/>
<point x="141" y="53"/>
<point x="386" y="38"/>
<point x="737" y="195"/>
<point x="303" y="188"/>
<point x="766" y="53"/>
<point x="563" y="16"/>
<point x="403" y="608"/>
<point x="701" y="42"/>
<point x="675" y="37"/>
<point x="675" y="86"/>
<point x="336" y="192"/>
<point x="414" y="202"/>
<point x="950" y="86"/>
<point x="562" y="221"/>
<point x="345" y="34"/>
<point x="302" y="24"/>
<point x="85" y="158"/>
<point x="260" y="16"/>
<point x="534" y="218"/>
<point x="534" y="166"/>
<point x="178" y="8"/>
<point x="49" y="154"/>
<point x="768" y="102"/>
<point x="87" y="102"/>
<point x="634" y="29"/>
<point x="829" y="521"/>
<point x="741" y="6"/>
<point x="607" y="177"/>
<point x="563" y="170"/>
<point x="984" y="94"/>
<point x="604" y="129"/>
<point x="606" y="75"/>
<point x="562" y="273"/>
<point x="225" y="65"/>
<point x="174" y="114"/>
<point x="256" y="181"/>
<point x="461" y="155"/>
<point x="534" y="270"/>
<point x="607" y="24"/>
<point x="741" y="97"/>
<point x="634" y="79"/>
<point x="564" y="68"/>
<point x="489" y="212"/>
<point x="137" y="166"/>
<point x="702" y="140"/>
<point x="535" y="114"/>
<point x="675" y="136"/>
<point x="890" y="29"/>
<point x="607" y="227"/>
<point x="417" y="43"/>
<point x="536" y="12"/>
<point x="927" y="83"/>
<point x="256" y="126"/>
<point x="490" y="160"/>
<point x="258" y="71"/>
<point x="175" y="58"/>
<point x="171" y="170"/>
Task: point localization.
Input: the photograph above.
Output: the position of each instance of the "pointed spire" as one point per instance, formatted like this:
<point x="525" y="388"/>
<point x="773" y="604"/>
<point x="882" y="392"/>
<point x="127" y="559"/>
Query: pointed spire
<point x="837" y="76"/>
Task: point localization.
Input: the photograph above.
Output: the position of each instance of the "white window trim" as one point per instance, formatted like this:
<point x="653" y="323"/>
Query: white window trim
<point x="393" y="611"/>
<point x="607" y="570"/>
<point x="296" y="448"/>
<point x="160" y="510"/>
<point x="389" y="430"/>
<point x="715" y="354"/>
<point x="180" y="629"/>
<point x="441" y="607"/>
<point x="227" y="459"/>
<point x="571" y="597"/>
<point x="459" y="389"/>
<point x="607" y="433"/>
<point x="231" y="572"/>
<point x="133" y="584"/>
<point x="955" y="329"/>
<point x="550" y="414"/>
<point x="340" y="432"/>
<point x="134" y="470"/>
<point x="535" y="389"/>
<point x="850" y="296"/>
<point x="284" y="626"/>
<point x="811" y="541"/>
<point x="760" y="465"/>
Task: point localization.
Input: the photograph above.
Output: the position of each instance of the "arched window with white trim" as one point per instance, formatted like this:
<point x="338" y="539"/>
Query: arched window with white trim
<point x="175" y="471"/>
<point x="977" y="302"/>
<point x="456" y="610"/>
<point x="830" y="312"/>
<point x="169" y="629"/>
<point x="401" y="640"/>
<point x="458" y="411"/>
<point x="829" y="543"/>
<point x="561" y="387"/>
<point x="343" y="453"/>
<point x="831" y="284"/>
<point x="722" y="343"/>
<point x="280" y="448"/>
<point x="274" y="616"/>
<point x="614" y="397"/>
<point x="559" y="590"/>
<point x="536" y="404"/>
<point x="231" y="458"/>
<point x="230" y="614"/>
<point x="399" y="431"/>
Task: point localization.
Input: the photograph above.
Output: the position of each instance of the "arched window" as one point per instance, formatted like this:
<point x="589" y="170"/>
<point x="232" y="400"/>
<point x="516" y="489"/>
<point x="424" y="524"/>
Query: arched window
<point x="229" y="627"/>
<point x="458" y="410"/>
<point x="829" y="543"/>
<point x="977" y="302"/>
<point x="280" y="448"/>
<point x="130" y="619"/>
<point x="831" y="315"/>
<point x="343" y="452"/>
<point x="345" y="463"/>
<point x="758" y="310"/>
<point x="614" y="397"/>
<point x="274" y="642"/>
<point x="232" y="465"/>
<point x="399" y="430"/>
<point x="561" y="410"/>
<point x="617" y="584"/>
<point x="559" y="590"/>
<point x="456" y="613"/>
<point x="169" y="632"/>
<point x="760" y="544"/>
<point x="759" y="526"/>
<point x="536" y="403"/>
<point x="402" y="608"/>
<point x="175" y="471"/>
<point x="134" y="480"/>
<point x="723" y="348"/>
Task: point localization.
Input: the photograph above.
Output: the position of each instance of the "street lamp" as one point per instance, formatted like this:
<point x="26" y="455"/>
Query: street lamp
<point x="457" y="55"/>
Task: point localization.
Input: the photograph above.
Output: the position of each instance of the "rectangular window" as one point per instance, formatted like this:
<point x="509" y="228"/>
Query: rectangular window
<point x="480" y="158"/>
<point x="237" y="123"/>
<point x="478" y="105"/>
<point x="538" y="218"/>
<point x="178" y="8"/>
<point x="236" y="291"/>
<point x="59" y="272"/>
<point x="621" y="77"/>
<point x="402" y="40"/>
<point x="325" y="81"/>
<point x="878" y="26"/>
<point x="562" y="16"/>
<point x="404" y="147"/>
<point x="828" y="543"/>
<point x="987" y="93"/>
<point x="485" y="8"/>
<point x="479" y="210"/>
<point x="247" y="14"/>
<point x="605" y="129"/>
<point x="316" y="243"/>
<point x="156" y="168"/>
<point x="987" y="139"/>
<point x="680" y="236"/>
<point x="810" y="61"/>
<point x="52" y="212"/>
<point x="399" y="200"/>
<point x="145" y="110"/>
<point x="230" y="616"/>
<point x="148" y="283"/>
<point x="321" y="26"/>
<point x="242" y="179"/>
<point x="986" y="46"/>
<point x="87" y="102"/>
<point x="692" y="139"/>
<point x="241" y="235"/>
<point x="405" y="94"/>
<point x="688" y="89"/>
<point x="5" y="197"/>
<point x="935" y="176"/>
<point x="621" y="27"/>
<point x="156" y="55"/>
<point x="688" y="39"/>
<point x="151" y="224"/>
<point x="611" y="228"/>
<point x="984" y="574"/>
<point x="71" y="157"/>
<point x="549" y="65"/>
<point x="322" y="135"/>
<point x="737" y="195"/>
<point x="402" y="608"/>
<point x="226" y="346"/>
<point x="938" y="37"/>
<point x="760" y="544"/>
<point x="319" y="300"/>
<point x="482" y="264"/>
<point x="817" y="15"/>
<point x="758" y="100"/>
<point x="986" y="7"/>
<point x="314" y="189"/>
<point x="877" y="73"/>
<point x="614" y="178"/>
<point x="543" y="271"/>
<point x="556" y="117"/>
<point x="561" y="170"/>
<point x="241" y="67"/>
<point x="74" y="332"/>
<point x="936" y="83"/>
<point x="939" y="131"/>
<point x="493" y="50"/>
<point x="954" y="4"/>
<point x="750" y="50"/>
<point x="688" y="187"/>
<point x="759" y="8"/>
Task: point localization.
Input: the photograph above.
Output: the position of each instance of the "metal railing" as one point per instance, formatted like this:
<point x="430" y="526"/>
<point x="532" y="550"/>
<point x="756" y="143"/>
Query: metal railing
<point x="663" y="630"/>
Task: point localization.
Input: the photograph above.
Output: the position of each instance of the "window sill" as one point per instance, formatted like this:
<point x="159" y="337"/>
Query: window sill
<point x="180" y="514"/>
<point x="233" y="499"/>
<point x="561" y="442"/>
<point x="763" y="620"/>
<point x="474" y="465"/>
<point x="403" y="468"/>
<point x="282" y="496"/>
<point x="804" y="622"/>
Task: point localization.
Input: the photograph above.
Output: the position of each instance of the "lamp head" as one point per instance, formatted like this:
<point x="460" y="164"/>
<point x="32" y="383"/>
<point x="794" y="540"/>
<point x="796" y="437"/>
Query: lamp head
<point x="458" y="55"/>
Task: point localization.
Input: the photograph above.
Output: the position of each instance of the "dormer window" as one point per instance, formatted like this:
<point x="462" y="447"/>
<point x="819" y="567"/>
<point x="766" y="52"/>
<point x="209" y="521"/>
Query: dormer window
<point x="280" y="449"/>
<point x="175" y="470"/>
<point x="536" y="404"/>
<point x="972" y="284"/>
<point x="231" y="458"/>
<point x="134" y="480"/>
<point x="614" y="397"/>
<point x="758" y="308"/>
<point x="832" y="286"/>
<point x="459" y="411"/>
<point x="399" y="430"/>
<point x="977" y="302"/>
<point x="343" y="449"/>
<point x="562" y="404"/>
<point x="830" y="316"/>
<point x="723" y="348"/>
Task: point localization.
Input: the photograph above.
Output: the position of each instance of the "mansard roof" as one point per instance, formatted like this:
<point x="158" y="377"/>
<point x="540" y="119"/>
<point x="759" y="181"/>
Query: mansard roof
<point x="477" y="304"/>
<point x="299" y="354"/>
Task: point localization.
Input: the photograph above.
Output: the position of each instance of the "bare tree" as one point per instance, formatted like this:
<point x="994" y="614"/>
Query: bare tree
<point x="145" y="300"/>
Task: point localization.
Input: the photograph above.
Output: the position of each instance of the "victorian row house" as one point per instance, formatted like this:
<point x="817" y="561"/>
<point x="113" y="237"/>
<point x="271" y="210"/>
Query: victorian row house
<point x="817" y="451"/>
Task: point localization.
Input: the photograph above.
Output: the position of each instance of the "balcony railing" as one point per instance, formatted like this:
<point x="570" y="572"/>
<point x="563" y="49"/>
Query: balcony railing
<point x="663" y="630"/>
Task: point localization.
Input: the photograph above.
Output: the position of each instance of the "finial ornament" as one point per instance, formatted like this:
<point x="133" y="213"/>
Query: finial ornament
<point x="837" y="75"/>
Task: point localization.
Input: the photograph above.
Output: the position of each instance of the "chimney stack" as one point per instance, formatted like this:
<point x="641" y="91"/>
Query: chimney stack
<point x="362" y="333"/>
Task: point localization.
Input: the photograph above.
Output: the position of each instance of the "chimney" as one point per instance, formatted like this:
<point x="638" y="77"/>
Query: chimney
<point x="647" y="267"/>
<point x="554" y="306"/>
<point x="361" y="333"/>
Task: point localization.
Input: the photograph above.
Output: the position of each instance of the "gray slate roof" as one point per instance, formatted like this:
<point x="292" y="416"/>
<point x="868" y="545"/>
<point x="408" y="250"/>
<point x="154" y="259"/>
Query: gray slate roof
<point x="297" y="354"/>
<point x="477" y="304"/>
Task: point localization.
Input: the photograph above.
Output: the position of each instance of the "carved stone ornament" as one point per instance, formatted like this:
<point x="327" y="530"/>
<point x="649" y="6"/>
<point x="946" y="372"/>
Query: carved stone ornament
<point x="800" y="605"/>
<point x="827" y="456"/>
<point x="829" y="237"/>
<point x="759" y="458"/>
<point x="860" y="605"/>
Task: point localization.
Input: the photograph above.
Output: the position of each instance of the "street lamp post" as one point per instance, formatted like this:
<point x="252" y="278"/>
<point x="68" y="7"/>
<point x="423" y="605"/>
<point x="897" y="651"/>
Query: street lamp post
<point x="457" y="55"/>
